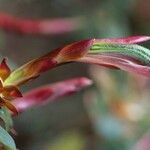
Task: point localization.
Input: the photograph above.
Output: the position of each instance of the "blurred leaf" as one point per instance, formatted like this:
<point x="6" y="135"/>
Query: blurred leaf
<point x="6" y="140"/>
<point x="68" y="141"/>
<point x="38" y="27"/>
<point x="6" y="117"/>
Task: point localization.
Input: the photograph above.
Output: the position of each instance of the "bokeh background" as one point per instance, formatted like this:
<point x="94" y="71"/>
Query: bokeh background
<point x="111" y="115"/>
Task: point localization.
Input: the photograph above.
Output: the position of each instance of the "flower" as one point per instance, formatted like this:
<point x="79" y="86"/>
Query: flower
<point x="116" y="53"/>
<point x="11" y="97"/>
<point x="7" y="93"/>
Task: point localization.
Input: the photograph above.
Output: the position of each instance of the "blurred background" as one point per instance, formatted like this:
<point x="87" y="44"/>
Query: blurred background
<point x="111" y="115"/>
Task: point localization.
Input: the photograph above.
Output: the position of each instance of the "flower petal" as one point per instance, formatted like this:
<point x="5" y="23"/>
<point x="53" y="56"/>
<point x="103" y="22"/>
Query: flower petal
<point x="50" y="93"/>
<point x="124" y="64"/>
<point x="128" y="57"/>
<point x="4" y="70"/>
<point x="30" y="70"/>
<point x="11" y="92"/>
<point x="76" y="51"/>
<point x="38" y="27"/>
<point x="36" y="67"/>
<point x="131" y="50"/>
<point x="9" y="105"/>
<point x="125" y="40"/>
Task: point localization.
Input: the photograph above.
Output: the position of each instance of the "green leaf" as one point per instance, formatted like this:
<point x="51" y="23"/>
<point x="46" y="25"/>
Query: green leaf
<point x="6" y="117"/>
<point x="132" y="50"/>
<point x="6" y="140"/>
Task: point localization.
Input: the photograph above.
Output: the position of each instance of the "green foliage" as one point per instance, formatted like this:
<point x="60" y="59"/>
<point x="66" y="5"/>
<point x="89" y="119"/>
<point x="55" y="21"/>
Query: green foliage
<point x="68" y="141"/>
<point x="6" y="117"/>
<point x="6" y="140"/>
<point x="132" y="50"/>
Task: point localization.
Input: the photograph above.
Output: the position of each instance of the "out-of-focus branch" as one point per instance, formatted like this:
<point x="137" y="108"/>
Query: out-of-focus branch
<point x="38" y="27"/>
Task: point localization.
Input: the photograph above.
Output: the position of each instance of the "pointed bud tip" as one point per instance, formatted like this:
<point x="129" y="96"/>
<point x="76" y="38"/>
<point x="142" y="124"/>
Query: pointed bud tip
<point x="83" y="82"/>
<point x="74" y="51"/>
<point x="124" y="40"/>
